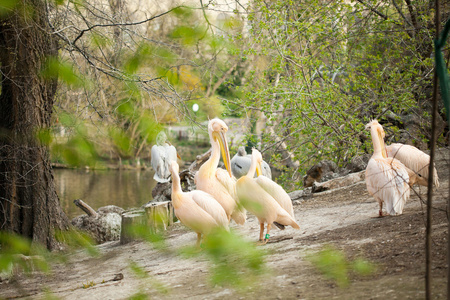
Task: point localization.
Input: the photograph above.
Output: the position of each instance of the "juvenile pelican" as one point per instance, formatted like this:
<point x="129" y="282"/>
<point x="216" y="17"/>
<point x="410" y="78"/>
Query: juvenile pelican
<point x="218" y="182"/>
<point x="196" y="209"/>
<point x="265" y="199"/>
<point x="240" y="163"/>
<point x="387" y="179"/>
<point x="413" y="159"/>
<point x="162" y="154"/>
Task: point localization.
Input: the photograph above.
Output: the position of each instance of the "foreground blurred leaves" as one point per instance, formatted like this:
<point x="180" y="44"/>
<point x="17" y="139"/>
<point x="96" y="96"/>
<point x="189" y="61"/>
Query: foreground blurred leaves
<point x="335" y="266"/>
<point x="17" y="252"/>
<point x="234" y="261"/>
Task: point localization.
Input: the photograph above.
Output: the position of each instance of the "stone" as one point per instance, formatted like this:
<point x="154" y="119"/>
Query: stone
<point x="316" y="173"/>
<point x="358" y="163"/>
<point x="103" y="228"/>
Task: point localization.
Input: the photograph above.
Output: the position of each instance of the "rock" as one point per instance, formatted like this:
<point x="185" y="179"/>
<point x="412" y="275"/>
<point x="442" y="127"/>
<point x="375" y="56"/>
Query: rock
<point x="162" y="192"/>
<point x="358" y="163"/>
<point x="103" y="228"/>
<point x="296" y="195"/>
<point x="316" y="173"/>
<point x="110" y="209"/>
<point x="338" y="182"/>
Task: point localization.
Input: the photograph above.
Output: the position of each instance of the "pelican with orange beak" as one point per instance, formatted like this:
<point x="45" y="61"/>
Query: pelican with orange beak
<point x="216" y="181"/>
<point x="387" y="179"/>
<point x="264" y="198"/>
<point x="196" y="209"/>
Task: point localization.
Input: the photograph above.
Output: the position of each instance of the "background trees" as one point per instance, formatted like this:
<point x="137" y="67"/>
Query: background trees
<point x="308" y="75"/>
<point x="323" y="69"/>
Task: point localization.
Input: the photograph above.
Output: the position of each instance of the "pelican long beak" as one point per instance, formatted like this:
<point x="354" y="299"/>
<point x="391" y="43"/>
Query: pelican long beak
<point x="221" y="138"/>
<point x="258" y="169"/>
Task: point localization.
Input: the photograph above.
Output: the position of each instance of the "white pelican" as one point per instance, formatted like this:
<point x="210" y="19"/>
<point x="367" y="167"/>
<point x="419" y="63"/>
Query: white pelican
<point x="387" y="179"/>
<point x="162" y="154"/>
<point x="196" y="209"/>
<point x="240" y="163"/>
<point x="265" y="199"/>
<point x="413" y="159"/>
<point x="218" y="182"/>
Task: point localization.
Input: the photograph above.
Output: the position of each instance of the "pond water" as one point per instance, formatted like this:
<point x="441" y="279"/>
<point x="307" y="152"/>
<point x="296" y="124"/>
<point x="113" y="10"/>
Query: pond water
<point x="124" y="188"/>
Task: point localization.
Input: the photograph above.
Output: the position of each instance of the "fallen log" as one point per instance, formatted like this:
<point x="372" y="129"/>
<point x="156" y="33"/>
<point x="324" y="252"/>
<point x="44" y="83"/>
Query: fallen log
<point x="338" y="182"/>
<point x="86" y="208"/>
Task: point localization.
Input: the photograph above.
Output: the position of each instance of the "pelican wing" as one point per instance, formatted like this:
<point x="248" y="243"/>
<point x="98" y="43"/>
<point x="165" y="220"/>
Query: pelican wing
<point x="171" y="152"/>
<point x="228" y="182"/>
<point x="387" y="180"/>
<point x="412" y="158"/>
<point x="261" y="203"/>
<point x="194" y="217"/>
<point x="277" y="192"/>
<point x="239" y="213"/>
<point x="211" y="206"/>
<point x="158" y="164"/>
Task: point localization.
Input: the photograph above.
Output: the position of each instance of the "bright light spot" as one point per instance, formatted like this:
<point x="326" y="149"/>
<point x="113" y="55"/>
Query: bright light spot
<point x="195" y="107"/>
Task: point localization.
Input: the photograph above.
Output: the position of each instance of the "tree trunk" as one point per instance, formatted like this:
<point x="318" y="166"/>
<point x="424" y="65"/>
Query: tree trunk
<point x="29" y="205"/>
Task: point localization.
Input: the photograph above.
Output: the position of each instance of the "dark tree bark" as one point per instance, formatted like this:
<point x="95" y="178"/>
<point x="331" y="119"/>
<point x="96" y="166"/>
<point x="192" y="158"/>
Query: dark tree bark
<point x="29" y="205"/>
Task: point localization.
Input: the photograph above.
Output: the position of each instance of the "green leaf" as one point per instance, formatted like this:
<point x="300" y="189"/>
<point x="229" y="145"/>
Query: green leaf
<point x="188" y="35"/>
<point x="55" y="69"/>
<point x="7" y="7"/>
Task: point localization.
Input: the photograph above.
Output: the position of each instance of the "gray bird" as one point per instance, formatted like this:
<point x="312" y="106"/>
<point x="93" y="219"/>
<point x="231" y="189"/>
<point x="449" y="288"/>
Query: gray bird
<point x="240" y="163"/>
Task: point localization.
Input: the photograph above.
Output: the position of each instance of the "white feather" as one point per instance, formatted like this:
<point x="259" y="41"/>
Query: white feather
<point x="162" y="155"/>
<point x="412" y="158"/>
<point x="277" y="192"/>
<point x="211" y="206"/>
<point x="387" y="181"/>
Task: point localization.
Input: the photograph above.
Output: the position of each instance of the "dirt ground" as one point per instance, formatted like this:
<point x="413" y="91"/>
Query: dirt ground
<point x="345" y="218"/>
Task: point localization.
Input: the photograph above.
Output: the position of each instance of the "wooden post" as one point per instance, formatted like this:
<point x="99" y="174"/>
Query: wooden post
<point x="159" y="214"/>
<point x="131" y="219"/>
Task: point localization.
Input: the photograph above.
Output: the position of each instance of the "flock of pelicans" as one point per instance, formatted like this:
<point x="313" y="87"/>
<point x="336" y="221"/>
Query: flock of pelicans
<point x="220" y="196"/>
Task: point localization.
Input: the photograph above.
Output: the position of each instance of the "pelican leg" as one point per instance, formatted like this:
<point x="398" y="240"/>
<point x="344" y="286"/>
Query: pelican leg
<point x="266" y="239"/>
<point x="380" y="213"/>
<point x="261" y="234"/>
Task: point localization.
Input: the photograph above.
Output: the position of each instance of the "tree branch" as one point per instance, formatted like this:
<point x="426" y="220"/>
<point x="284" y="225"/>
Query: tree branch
<point x="123" y="24"/>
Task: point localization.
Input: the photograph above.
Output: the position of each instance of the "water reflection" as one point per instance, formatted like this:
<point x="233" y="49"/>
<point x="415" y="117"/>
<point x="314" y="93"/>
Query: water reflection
<point x="126" y="188"/>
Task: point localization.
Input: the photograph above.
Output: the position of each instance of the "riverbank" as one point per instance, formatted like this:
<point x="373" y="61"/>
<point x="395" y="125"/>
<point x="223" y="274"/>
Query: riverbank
<point x="345" y="218"/>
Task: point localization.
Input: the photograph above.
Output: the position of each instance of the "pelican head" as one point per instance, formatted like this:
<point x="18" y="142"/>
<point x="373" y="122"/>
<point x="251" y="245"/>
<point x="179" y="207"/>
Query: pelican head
<point x="217" y="130"/>
<point x="241" y="151"/>
<point x="161" y="138"/>
<point x="377" y="129"/>
<point x="256" y="155"/>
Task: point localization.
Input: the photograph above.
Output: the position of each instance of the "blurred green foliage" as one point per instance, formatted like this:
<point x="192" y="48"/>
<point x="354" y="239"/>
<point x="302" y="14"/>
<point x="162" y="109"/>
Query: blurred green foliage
<point x="18" y="253"/>
<point x="7" y="6"/>
<point x="234" y="261"/>
<point x="334" y="265"/>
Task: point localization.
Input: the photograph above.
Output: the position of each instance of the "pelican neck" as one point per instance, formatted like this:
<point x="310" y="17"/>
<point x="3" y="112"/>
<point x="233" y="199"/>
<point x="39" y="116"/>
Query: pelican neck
<point x="376" y="141"/>
<point x="252" y="169"/>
